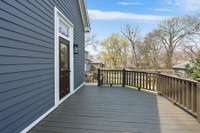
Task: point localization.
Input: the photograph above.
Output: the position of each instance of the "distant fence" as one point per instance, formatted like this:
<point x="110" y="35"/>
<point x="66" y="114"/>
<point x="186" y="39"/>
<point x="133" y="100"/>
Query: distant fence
<point x="183" y="92"/>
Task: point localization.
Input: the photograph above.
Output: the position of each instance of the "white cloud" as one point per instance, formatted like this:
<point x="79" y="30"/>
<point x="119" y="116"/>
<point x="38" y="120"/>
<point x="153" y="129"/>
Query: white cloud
<point x="114" y="15"/>
<point x="185" y="5"/>
<point x="171" y="2"/>
<point x="130" y="3"/>
<point x="189" y="5"/>
<point x="162" y="10"/>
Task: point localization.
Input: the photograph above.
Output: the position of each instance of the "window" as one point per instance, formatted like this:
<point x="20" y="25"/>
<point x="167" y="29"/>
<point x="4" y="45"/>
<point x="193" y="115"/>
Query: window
<point x="63" y="28"/>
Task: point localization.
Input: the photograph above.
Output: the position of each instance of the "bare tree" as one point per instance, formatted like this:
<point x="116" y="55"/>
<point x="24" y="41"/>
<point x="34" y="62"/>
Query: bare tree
<point x="153" y="49"/>
<point x="171" y="33"/>
<point x="191" y="46"/>
<point x="132" y="34"/>
<point x="90" y="40"/>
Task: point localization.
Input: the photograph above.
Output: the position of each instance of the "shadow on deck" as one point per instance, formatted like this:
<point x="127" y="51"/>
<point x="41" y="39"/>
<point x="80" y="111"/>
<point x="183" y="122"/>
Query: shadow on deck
<point x="117" y="110"/>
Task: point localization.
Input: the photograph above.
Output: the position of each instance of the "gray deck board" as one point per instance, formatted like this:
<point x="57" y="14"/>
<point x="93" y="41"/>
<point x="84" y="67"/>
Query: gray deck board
<point x="117" y="110"/>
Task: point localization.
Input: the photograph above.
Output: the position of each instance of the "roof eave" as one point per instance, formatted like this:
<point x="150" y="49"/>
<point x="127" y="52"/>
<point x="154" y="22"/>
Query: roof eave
<point x="84" y="14"/>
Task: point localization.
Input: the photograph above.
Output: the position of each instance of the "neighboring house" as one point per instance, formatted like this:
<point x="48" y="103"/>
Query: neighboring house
<point x="92" y="64"/>
<point x="181" y="69"/>
<point x="131" y="67"/>
<point x="91" y="70"/>
<point x="95" y="64"/>
<point x="38" y="67"/>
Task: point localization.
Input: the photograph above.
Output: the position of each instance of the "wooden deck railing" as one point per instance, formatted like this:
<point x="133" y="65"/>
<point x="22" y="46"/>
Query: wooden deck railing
<point x="124" y="77"/>
<point x="183" y="92"/>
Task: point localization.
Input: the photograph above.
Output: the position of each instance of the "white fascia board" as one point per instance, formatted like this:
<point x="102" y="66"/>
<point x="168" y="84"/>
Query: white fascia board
<point x="85" y="16"/>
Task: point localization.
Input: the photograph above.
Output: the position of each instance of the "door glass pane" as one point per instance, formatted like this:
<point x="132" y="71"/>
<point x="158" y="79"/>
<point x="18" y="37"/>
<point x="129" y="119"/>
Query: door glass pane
<point x="64" y="56"/>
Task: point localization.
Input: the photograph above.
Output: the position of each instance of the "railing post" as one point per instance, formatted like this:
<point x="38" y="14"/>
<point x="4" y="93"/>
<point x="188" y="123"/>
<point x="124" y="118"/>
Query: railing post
<point x="123" y="77"/>
<point x="138" y="81"/>
<point x="198" y="101"/>
<point x="98" y="77"/>
<point x="158" y="82"/>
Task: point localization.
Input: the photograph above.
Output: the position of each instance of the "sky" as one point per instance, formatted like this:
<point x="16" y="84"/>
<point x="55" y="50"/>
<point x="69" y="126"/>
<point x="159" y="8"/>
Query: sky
<point x="108" y="16"/>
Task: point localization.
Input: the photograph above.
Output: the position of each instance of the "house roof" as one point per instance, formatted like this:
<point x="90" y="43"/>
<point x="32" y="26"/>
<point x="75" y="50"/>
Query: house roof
<point x="84" y="14"/>
<point x="96" y="61"/>
<point x="181" y="65"/>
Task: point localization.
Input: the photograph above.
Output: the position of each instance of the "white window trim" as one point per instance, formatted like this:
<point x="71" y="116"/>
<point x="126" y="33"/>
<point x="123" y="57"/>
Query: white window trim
<point x="60" y="16"/>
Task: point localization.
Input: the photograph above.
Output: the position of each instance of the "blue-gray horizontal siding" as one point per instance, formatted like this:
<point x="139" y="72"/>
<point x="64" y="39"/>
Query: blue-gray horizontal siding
<point x="27" y="58"/>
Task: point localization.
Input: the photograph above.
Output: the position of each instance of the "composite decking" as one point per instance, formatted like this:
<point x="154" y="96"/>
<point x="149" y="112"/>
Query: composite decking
<point x="95" y="109"/>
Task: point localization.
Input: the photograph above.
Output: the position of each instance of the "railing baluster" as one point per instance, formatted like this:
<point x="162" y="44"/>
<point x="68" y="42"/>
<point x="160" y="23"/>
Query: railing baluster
<point x="147" y="79"/>
<point x="135" y="79"/>
<point x="164" y="87"/>
<point x="107" y="80"/>
<point x="128" y="77"/>
<point x="118" y="78"/>
<point x="185" y="93"/>
<point x="131" y="78"/>
<point x="115" y="77"/>
<point x="152" y="81"/>
<point x="189" y="95"/>
<point x="102" y="77"/>
<point x="171" y="87"/>
<point x="198" y="101"/>
<point x="192" y="96"/>
<point x="180" y="92"/>
<point x="174" y="87"/>
<point x="161" y="83"/>
<point x="124" y="78"/>
<point x="121" y="76"/>
<point x="140" y="86"/>
<point x="98" y="77"/>
<point x="143" y="80"/>
<point x="167" y="86"/>
<point x="158" y="83"/>
<point x="110" y="77"/>
<point x="155" y="79"/>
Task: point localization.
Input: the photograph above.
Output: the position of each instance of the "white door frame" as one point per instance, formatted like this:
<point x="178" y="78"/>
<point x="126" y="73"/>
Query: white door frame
<point x="60" y="17"/>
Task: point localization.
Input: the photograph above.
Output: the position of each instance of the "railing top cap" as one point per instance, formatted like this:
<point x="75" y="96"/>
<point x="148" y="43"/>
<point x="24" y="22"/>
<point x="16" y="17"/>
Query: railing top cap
<point x="158" y="73"/>
<point x="179" y="78"/>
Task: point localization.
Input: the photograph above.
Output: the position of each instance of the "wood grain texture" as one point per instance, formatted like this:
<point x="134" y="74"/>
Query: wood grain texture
<point x="117" y="110"/>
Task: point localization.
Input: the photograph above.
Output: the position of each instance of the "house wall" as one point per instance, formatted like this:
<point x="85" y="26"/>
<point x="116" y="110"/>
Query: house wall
<point x="27" y="58"/>
<point x="180" y="73"/>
